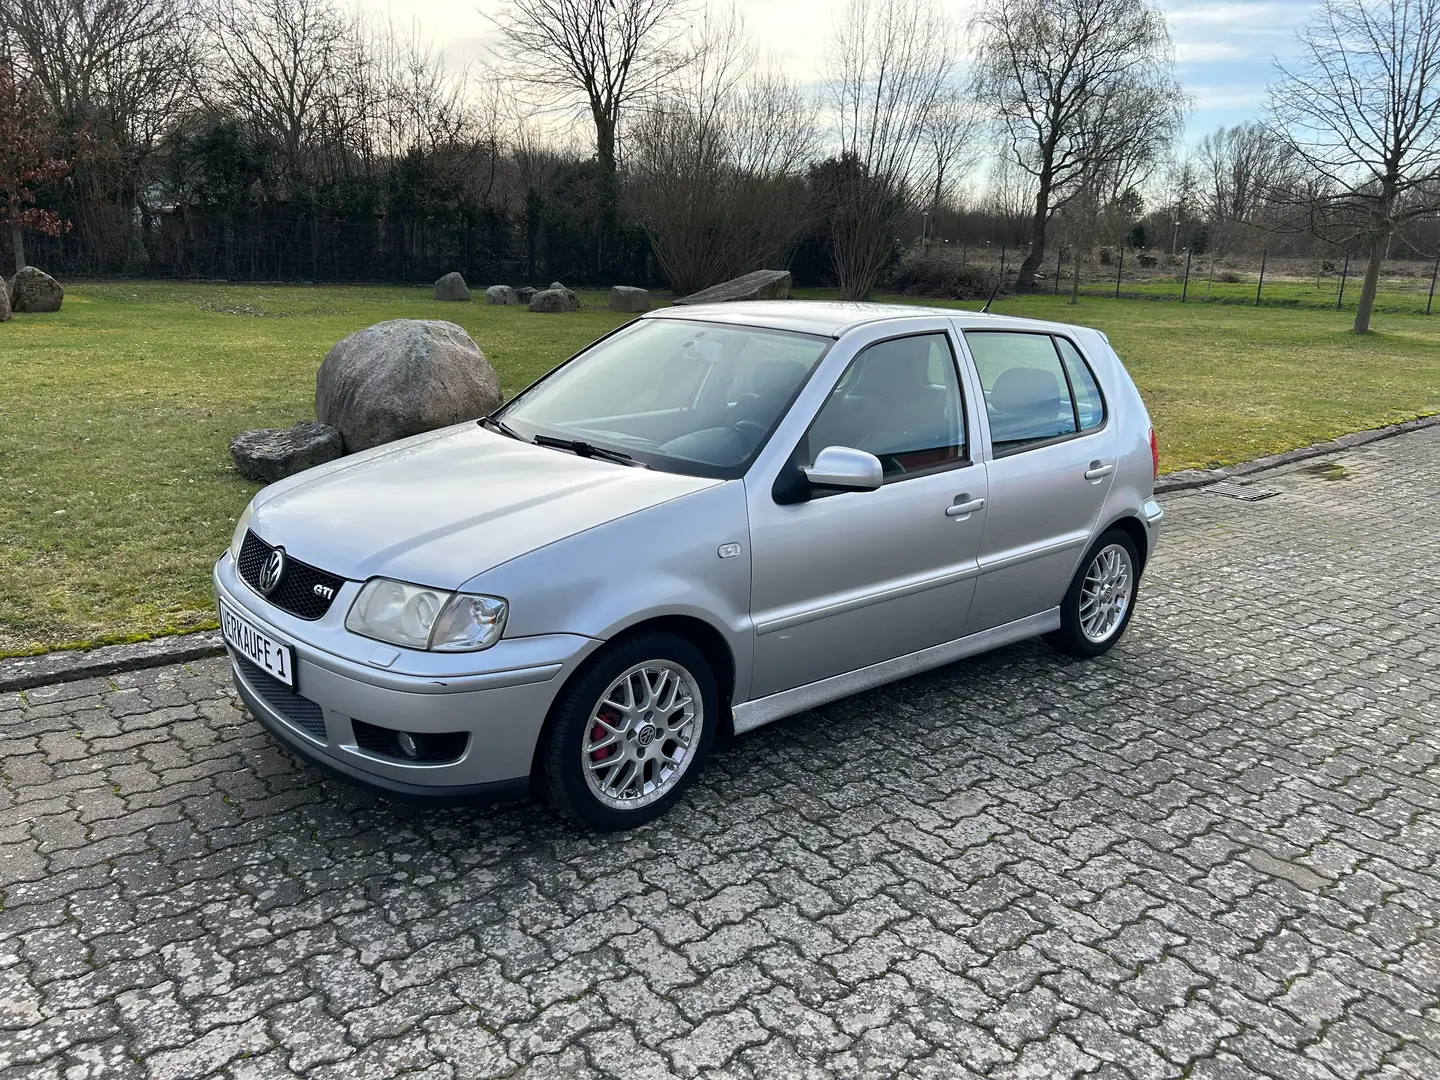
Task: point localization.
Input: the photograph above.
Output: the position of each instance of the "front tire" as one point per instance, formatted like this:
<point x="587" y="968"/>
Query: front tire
<point x="628" y="737"/>
<point x="1101" y="599"/>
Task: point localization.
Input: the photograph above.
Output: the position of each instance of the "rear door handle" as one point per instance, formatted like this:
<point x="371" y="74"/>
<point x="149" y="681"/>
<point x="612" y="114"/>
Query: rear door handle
<point x="1097" y="470"/>
<point x="959" y="509"/>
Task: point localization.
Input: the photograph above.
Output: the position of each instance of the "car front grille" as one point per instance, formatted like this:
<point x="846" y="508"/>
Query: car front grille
<point x="295" y="591"/>
<point x="299" y="711"/>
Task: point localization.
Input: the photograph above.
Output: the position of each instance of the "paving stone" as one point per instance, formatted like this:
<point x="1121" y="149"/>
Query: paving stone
<point x="1214" y="852"/>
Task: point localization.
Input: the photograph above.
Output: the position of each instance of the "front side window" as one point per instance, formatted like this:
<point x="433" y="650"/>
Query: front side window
<point x="899" y="400"/>
<point x="689" y="397"/>
<point x="1034" y="390"/>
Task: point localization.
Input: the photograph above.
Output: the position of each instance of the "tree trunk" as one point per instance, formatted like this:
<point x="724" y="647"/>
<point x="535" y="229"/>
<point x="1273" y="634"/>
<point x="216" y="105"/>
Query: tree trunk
<point x="1025" y="280"/>
<point x="17" y="234"/>
<point x="609" y="185"/>
<point x="1378" y="244"/>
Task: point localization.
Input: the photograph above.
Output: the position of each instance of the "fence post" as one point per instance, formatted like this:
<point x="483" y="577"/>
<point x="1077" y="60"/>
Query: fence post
<point x="1060" y="254"/>
<point x="1343" y="275"/>
<point x="1431" y="298"/>
<point x="1119" y="271"/>
<point x="1185" y="288"/>
<point x="1261" y="283"/>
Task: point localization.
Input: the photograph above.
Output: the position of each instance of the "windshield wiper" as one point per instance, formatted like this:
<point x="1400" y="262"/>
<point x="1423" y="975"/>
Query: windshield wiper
<point x="580" y="448"/>
<point x="502" y="427"/>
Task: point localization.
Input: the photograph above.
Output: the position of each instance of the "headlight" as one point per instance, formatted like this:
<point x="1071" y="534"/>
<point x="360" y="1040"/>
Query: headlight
<point x="241" y="527"/>
<point x="421" y="618"/>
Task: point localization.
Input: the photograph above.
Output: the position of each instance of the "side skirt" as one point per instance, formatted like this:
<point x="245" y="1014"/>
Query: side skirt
<point x="761" y="711"/>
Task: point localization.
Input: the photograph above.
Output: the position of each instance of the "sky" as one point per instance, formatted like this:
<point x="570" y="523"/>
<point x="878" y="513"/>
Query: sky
<point x="1225" y="49"/>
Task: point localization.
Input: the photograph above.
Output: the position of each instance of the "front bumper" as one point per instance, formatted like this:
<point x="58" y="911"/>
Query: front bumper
<point x="501" y="704"/>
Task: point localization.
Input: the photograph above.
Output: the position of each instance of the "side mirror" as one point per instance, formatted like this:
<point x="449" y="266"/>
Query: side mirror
<point x="846" y="469"/>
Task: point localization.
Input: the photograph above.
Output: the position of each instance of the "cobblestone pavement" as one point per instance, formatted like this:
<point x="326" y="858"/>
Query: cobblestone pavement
<point x="1211" y="854"/>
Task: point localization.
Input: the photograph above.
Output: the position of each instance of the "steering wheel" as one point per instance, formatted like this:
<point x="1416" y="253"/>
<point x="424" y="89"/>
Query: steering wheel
<point x="752" y="430"/>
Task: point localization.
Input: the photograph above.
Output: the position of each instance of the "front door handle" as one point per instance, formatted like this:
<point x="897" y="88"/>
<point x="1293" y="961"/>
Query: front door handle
<point x="964" y="506"/>
<point x="1097" y="470"/>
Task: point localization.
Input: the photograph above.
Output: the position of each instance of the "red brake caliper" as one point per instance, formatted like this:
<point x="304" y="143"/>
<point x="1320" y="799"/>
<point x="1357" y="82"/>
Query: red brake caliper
<point x="597" y="733"/>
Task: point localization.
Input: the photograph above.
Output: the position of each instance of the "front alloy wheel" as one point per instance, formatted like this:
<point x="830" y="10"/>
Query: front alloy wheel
<point x="1101" y="598"/>
<point x="631" y="732"/>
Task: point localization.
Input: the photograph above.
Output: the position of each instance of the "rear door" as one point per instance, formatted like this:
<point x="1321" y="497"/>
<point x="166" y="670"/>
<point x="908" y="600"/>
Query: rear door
<point x="1050" y="455"/>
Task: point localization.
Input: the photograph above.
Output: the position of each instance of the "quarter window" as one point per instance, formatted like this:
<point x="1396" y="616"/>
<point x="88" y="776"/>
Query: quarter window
<point x="1037" y="388"/>
<point x="899" y="400"/>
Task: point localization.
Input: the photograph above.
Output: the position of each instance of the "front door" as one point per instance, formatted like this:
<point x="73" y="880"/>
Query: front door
<point x="1052" y="457"/>
<point x="843" y="580"/>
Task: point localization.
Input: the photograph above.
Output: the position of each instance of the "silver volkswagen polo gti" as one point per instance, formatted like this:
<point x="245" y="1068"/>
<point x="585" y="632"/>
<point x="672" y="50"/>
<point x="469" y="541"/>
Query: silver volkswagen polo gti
<point x="710" y="519"/>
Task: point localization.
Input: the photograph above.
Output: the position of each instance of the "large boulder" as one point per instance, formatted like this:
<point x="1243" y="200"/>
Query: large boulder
<point x="554" y="300"/>
<point x="629" y="298"/>
<point x="34" y="290"/>
<point x="403" y="377"/>
<point x="4" y="302"/>
<point x="452" y="287"/>
<point x="501" y="294"/>
<point x="272" y="454"/>
<point x="759" y="285"/>
<point x="525" y="294"/>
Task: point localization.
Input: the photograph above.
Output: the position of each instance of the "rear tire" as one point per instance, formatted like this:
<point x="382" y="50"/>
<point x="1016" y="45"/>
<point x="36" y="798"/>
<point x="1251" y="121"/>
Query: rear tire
<point x="628" y="737"/>
<point x="1101" y="599"/>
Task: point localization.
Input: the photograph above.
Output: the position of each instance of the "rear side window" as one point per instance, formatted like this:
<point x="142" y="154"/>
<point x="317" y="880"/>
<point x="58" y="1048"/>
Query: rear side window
<point x="1089" y="405"/>
<point x="1037" y="388"/>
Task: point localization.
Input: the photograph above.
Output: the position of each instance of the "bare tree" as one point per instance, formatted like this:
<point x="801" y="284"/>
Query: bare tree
<point x="1075" y="83"/>
<point x="277" y="65"/>
<point x="602" y="55"/>
<point x="890" y="64"/>
<point x="715" y="171"/>
<point x="953" y="140"/>
<point x="1361" y="110"/>
<point x="1239" y="169"/>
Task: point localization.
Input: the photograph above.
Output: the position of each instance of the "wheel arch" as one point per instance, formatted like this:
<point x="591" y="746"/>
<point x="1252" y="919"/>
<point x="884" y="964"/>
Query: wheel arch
<point x="705" y="637"/>
<point x="1134" y="528"/>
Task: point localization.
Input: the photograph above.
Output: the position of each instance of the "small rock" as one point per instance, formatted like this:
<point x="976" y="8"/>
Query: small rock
<point x="274" y="453"/>
<point x="525" y="293"/>
<point x="452" y="287"/>
<point x="760" y="285"/>
<point x="629" y="298"/>
<point x="501" y="294"/>
<point x="33" y="290"/>
<point x="402" y="377"/>
<point x="553" y="301"/>
<point x="4" y="302"/>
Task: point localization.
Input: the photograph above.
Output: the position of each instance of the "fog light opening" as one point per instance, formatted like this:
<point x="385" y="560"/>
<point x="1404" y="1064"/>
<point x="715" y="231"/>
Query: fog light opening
<point x="407" y="744"/>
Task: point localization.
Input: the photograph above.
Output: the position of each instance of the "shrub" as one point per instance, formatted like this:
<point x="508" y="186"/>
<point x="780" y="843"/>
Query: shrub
<point x="940" y="275"/>
<point x="1229" y="277"/>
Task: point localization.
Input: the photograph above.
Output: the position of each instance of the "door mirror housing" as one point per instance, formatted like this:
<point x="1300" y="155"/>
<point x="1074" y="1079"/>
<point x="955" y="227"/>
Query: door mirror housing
<point x="845" y="469"/>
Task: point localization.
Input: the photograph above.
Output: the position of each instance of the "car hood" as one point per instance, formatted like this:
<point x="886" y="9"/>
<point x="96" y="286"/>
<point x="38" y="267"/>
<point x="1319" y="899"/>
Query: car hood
<point x="442" y="507"/>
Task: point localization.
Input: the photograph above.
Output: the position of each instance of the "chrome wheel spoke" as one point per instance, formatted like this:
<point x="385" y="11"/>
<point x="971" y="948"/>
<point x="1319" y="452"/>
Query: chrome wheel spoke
<point x="1105" y="593"/>
<point x="640" y="732"/>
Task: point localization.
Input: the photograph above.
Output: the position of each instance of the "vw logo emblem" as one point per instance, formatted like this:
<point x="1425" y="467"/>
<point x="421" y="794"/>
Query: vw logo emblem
<point x="271" y="571"/>
<point x="646" y="735"/>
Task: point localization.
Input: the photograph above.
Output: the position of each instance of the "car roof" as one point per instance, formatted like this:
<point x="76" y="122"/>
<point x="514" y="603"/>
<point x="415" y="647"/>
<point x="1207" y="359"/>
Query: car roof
<point x="835" y="318"/>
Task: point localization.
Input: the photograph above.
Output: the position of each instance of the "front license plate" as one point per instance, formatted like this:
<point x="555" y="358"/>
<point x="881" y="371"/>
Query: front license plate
<point x="259" y="648"/>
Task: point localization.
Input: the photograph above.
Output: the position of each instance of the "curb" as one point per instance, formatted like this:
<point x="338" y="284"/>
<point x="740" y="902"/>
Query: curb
<point x="1194" y="478"/>
<point x="68" y="665"/>
<point x="26" y="672"/>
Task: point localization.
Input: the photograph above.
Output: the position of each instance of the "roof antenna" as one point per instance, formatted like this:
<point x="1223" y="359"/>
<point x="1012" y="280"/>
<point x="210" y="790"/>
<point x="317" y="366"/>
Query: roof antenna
<point x="999" y="277"/>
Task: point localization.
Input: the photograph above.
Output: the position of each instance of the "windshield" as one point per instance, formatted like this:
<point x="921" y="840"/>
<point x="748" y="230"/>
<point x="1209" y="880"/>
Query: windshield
<point x="690" y="397"/>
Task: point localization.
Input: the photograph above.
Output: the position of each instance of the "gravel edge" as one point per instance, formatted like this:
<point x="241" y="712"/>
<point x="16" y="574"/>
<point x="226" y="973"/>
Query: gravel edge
<point x="27" y="672"/>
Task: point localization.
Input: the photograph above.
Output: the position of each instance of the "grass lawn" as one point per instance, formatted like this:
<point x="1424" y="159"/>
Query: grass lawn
<point x="117" y="491"/>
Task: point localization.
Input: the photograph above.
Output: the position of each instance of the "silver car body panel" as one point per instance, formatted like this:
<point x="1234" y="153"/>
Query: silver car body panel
<point x="812" y="601"/>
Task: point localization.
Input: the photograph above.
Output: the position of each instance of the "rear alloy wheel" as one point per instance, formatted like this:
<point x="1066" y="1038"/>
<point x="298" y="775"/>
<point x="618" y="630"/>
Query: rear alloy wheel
<point x="1101" y="598"/>
<point x="632" y="733"/>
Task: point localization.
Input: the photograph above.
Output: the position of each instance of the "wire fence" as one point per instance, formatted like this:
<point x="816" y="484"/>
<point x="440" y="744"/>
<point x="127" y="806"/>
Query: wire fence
<point x="1405" y="286"/>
